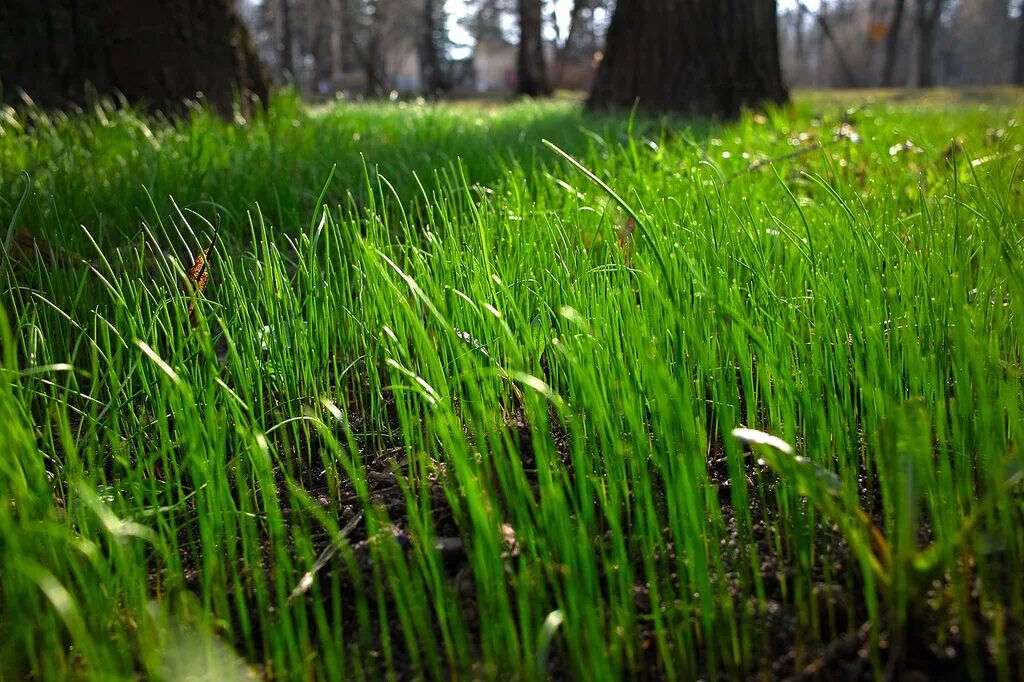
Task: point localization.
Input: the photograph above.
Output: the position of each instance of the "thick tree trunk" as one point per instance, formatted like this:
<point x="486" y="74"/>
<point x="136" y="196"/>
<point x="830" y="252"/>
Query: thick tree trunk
<point x="533" y="75"/>
<point x="927" y="23"/>
<point x="157" y="53"/>
<point x="892" y="43"/>
<point x="698" y="57"/>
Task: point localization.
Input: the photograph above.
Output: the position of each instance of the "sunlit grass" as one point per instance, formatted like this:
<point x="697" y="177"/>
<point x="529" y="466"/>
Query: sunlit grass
<point x="439" y="355"/>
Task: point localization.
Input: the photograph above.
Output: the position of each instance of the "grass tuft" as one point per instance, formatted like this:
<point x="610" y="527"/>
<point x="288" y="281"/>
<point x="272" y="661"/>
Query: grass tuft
<point x="466" y="394"/>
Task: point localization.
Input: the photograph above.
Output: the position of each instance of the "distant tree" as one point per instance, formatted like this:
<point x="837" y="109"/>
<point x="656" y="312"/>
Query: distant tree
<point x="287" y="39"/>
<point x="339" y="44"/>
<point x="483" y="18"/>
<point x="698" y="57"/>
<point x="584" y="36"/>
<point x="980" y="38"/>
<point x="154" y="52"/>
<point x="1018" y="71"/>
<point x="892" y="43"/>
<point x="965" y="42"/>
<point x="336" y="41"/>
<point x="533" y="73"/>
<point x="319" y="43"/>
<point x="826" y="32"/>
<point x="571" y="36"/>
<point x="432" y="47"/>
<point x="928" y="13"/>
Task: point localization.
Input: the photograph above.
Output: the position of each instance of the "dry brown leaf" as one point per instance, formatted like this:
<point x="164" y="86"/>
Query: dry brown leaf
<point x="199" y="274"/>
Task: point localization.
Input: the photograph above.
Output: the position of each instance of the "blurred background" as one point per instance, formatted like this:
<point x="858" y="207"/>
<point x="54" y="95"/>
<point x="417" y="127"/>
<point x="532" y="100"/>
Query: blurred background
<point x="463" y="48"/>
<point x="161" y="53"/>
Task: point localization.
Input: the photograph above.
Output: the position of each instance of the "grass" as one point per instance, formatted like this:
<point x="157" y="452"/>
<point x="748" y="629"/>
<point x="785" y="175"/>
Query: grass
<point x="458" y="403"/>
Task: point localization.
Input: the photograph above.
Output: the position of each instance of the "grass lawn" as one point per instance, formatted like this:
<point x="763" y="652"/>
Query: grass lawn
<point x="445" y="400"/>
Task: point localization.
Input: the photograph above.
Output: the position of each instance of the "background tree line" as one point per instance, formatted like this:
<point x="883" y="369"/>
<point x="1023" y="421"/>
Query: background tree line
<point x="892" y="43"/>
<point x="324" y="44"/>
<point x="432" y="47"/>
<point x="704" y="57"/>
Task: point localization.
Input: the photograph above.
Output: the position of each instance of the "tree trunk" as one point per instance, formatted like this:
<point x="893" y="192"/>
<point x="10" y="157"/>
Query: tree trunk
<point x="157" y="53"/>
<point x="286" y="45"/>
<point x="431" y="71"/>
<point x="337" y="65"/>
<point x="1018" y="71"/>
<point x="892" y="44"/>
<point x="374" y="64"/>
<point x="697" y="57"/>
<point x="533" y="75"/>
<point x="801" y="51"/>
<point x="351" y="54"/>
<point x="319" y="31"/>
<point x="570" y="37"/>
<point x="927" y="21"/>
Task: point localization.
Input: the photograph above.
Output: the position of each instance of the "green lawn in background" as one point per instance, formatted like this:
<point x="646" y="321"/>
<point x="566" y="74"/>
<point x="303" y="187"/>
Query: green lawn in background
<point x="459" y="403"/>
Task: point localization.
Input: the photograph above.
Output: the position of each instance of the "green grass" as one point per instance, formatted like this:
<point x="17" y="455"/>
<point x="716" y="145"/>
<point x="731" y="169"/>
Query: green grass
<point x="429" y="343"/>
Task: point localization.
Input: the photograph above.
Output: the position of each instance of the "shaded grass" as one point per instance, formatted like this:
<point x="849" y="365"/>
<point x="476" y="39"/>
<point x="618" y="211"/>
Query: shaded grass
<point x="520" y="412"/>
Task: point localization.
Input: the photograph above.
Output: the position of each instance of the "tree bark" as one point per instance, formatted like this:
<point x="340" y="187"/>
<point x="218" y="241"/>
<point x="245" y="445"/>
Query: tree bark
<point x="892" y="43"/>
<point x="533" y="76"/>
<point x="927" y="21"/>
<point x="697" y="57"/>
<point x="156" y="53"/>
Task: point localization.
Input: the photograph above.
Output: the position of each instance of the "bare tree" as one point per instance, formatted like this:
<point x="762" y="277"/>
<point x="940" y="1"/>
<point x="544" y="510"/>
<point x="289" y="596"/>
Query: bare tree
<point x="533" y="75"/>
<point x="928" y="13"/>
<point x="826" y="32"/>
<point x="892" y="43"/>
